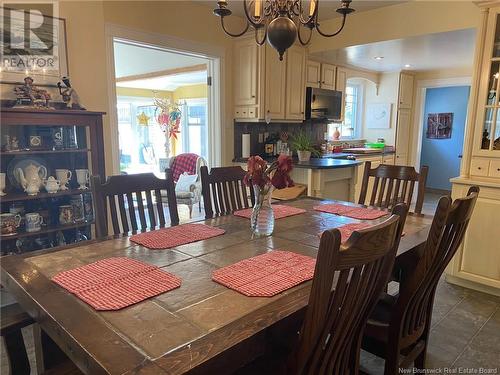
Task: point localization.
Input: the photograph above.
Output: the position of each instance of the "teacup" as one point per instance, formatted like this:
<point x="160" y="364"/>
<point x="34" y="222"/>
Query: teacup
<point x="2" y="184"/>
<point x="82" y="177"/>
<point x="33" y="222"/>
<point x="63" y="176"/>
<point x="9" y="223"/>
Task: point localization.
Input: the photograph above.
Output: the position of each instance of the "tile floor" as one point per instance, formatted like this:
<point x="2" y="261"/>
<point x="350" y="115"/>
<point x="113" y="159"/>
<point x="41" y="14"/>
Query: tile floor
<point x="465" y="325"/>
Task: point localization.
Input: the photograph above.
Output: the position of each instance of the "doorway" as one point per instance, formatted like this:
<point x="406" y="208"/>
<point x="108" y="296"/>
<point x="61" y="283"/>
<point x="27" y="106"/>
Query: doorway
<point x="442" y="132"/>
<point x="146" y="75"/>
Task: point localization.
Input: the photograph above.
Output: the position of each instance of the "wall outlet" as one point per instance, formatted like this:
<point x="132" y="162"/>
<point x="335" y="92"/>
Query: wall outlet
<point x="261" y="138"/>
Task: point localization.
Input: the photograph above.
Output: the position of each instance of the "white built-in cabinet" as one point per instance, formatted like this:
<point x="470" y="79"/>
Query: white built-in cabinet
<point x="266" y="87"/>
<point x="328" y="76"/>
<point x="313" y="74"/>
<point x="295" y="85"/>
<point x="477" y="262"/>
<point x="340" y="84"/>
<point x="404" y="115"/>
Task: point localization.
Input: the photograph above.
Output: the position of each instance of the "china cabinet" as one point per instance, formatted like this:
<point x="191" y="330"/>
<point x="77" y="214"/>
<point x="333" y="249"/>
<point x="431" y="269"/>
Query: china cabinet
<point x="49" y="154"/>
<point x="477" y="263"/>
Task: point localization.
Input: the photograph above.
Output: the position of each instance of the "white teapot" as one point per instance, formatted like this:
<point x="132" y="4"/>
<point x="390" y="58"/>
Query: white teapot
<point x="52" y="185"/>
<point x="31" y="178"/>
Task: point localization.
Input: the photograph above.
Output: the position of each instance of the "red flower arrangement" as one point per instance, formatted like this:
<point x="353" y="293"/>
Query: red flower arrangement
<point x="277" y="174"/>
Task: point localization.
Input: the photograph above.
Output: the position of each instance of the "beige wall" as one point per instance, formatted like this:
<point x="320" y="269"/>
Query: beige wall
<point x="144" y="93"/>
<point x="190" y="92"/>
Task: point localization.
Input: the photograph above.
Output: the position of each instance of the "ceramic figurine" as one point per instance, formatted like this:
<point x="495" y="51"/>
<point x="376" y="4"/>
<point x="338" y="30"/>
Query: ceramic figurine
<point x="14" y="144"/>
<point x="52" y="185"/>
<point x="69" y="94"/>
<point x="29" y="95"/>
<point x="31" y="178"/>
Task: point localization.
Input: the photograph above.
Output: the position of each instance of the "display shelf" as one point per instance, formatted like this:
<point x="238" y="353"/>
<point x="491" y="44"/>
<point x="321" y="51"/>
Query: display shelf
<point x="19" y="196"/>
<point x="38" y="152"/>
<point x="46" y="230"/>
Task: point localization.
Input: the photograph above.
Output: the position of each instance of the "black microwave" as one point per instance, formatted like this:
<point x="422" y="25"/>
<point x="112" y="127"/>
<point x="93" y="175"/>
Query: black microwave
<point x="323" y="104"/>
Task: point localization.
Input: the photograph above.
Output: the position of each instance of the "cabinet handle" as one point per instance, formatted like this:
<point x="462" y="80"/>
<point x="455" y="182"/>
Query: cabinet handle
<point x="253" y="96"/>
<point x="479" y="168"/>
<point x="498" y="169"/>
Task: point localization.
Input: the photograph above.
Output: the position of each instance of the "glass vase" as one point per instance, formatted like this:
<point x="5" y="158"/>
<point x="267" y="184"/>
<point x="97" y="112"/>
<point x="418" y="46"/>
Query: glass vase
<point x="262" y="220"/>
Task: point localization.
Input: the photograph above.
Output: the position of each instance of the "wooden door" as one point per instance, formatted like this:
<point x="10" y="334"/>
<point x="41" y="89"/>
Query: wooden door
<point x="406" y="90"/>
<point x="275" y="85"/>
<point x="340" y="84"/>
<point x="328" y="76"/>
<point x="246" y="72"/>
<point x="313" y="74"/>
<point x="295" y="87"/>
<point x="402" y="135"/>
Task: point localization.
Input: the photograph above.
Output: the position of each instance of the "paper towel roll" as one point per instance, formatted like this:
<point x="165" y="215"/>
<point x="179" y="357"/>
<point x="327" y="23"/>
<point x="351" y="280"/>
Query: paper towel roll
<point x="245" y="145"/>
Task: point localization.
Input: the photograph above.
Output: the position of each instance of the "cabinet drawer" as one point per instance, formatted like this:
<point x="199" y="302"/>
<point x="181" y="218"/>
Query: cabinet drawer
<point x="494" y="170"/>
<point x="252" y="112"/>
<point x="241" y="112"/>
<point x="479" y="167"/>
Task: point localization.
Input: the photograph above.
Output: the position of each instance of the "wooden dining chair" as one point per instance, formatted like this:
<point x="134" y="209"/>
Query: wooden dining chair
<point x="223" y="191"/>
<point x="347" y="281"/>
<point x="125" y="195"/>
<point x="393" y="184"/>
<point x="400" y="324"/>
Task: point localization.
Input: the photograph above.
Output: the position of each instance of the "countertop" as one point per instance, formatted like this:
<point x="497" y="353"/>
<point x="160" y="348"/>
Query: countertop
<point x="314" y="163"/>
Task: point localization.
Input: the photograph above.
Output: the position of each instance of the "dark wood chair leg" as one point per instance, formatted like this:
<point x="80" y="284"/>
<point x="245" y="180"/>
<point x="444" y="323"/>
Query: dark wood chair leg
<point x="420" y="360"/>
<point x="16" y="352"/>
<point x="391" y="363"/>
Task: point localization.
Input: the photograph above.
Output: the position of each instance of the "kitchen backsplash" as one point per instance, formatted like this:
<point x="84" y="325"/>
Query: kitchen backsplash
<point x="315" y="130"/>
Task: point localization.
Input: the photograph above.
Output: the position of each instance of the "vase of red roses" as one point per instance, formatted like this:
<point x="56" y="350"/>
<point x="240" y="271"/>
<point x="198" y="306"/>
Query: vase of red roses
<point x="264" y="178"/>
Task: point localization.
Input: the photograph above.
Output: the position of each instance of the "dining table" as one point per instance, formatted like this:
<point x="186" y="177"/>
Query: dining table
<point x="202" y="326"/>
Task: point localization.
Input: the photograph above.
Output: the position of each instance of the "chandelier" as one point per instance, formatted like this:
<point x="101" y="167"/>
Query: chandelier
<point x="281" y="21"/>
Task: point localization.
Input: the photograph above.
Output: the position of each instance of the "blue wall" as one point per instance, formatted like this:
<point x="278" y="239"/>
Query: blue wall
<point x="441" y="155"/>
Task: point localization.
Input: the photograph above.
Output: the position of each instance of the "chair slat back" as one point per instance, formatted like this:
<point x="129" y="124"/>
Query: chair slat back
<point x="125" y="195"/>
<point x="393" y="184"/>
<point x="347" y="282"/>
<point x="414" y="305"/>
<point x="223" y="191"/>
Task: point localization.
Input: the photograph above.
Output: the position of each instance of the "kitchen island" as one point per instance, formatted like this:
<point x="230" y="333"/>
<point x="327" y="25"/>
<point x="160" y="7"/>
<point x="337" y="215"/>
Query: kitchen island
<point x="324" y="177"/>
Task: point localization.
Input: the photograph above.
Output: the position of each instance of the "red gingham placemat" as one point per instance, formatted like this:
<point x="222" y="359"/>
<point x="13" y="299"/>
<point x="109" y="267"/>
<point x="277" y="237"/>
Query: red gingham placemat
<point x="360" y="213"/>
<point x="115" y="283"/>
<point x="280" y="211"/>
<point x="266" y="275"/>
<point x="175" y="236"/>
<point x="347" y="230"/>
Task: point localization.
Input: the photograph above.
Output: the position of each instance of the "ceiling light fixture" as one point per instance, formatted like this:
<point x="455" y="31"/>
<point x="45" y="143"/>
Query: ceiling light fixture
<point x="378" y="57"/>
<point x="407" y="66"/>
<point x="281" y="20"/>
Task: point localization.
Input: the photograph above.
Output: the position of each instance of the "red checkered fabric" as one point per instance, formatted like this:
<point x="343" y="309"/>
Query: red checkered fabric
<point x="266" y="275"/>
<point x="347" y="230"/>
<point x="166" y="238"/>
<point x="184" y="163"/>
<point x="115" y="283"/>
<point x="360" y="213"/>
<point x="280" y="211"/>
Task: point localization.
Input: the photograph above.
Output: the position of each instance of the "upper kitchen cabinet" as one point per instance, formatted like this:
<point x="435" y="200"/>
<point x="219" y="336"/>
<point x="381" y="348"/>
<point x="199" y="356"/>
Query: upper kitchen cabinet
<point x="295" y="85"/>
<point x="328" y="76"/>
<point x="313" y="74"/>
<point x="403" y="135"/>
<point x="340" y="84"/>
<point x="275" y="87"/>
<point x="249" y="77"/>
<point x="406" y="90"/>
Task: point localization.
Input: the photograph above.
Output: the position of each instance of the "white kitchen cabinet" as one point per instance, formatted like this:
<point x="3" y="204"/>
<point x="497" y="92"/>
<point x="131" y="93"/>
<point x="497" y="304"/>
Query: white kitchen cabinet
<point x="295" y="86"/>
<point x="340" y="84"/>
<point x="406" y="82"/>
<point x="402" y="135"/>
<point x="275" y="85"/>
<point x="313" y="74"/>
<point x="328" y="76"/>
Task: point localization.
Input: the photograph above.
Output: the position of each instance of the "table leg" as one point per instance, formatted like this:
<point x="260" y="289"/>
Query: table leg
<point x="16" y="352"/>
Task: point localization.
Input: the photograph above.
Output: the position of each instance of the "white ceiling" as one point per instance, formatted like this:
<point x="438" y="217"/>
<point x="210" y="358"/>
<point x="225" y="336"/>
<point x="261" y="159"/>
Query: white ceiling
<point x="454" y="49"/>
<point x="169" y="83"/>
<point x="326" y="9"/>
<point x="132" y="59"/>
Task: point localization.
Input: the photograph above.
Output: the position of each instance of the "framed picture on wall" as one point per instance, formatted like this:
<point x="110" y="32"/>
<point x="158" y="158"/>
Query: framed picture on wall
<point x="41" y="53"/>
<point x="439" y="125"/>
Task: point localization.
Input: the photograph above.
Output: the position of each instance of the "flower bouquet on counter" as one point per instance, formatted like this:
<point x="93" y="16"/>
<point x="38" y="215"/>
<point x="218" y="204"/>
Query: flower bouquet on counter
<point x="264" y="178"/>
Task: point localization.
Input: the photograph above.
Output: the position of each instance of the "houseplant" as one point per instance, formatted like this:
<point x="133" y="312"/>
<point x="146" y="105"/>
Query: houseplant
<point x="263" y="178"/>
<point x="304" y="146"/>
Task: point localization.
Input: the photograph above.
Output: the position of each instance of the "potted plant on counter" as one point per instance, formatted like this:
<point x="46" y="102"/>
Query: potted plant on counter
<point x="304" y="146"/>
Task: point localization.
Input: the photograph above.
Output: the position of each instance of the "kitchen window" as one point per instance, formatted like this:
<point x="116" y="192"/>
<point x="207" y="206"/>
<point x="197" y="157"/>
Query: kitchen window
<point x="351" y="125"/>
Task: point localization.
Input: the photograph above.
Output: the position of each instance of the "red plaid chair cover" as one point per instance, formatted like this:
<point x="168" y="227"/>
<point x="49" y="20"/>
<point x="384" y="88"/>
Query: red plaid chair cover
<point x="184" y="163"/>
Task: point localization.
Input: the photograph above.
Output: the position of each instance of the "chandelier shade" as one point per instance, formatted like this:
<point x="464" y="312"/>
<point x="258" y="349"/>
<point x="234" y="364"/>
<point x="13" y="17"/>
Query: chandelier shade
<point x="281" y="21"/>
